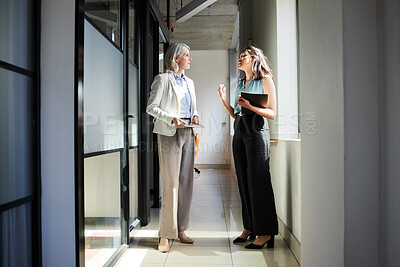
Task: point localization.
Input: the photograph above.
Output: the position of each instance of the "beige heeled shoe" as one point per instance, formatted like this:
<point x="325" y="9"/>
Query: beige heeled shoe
<point x="185" y="239"/>
<point x="161" y="248"/>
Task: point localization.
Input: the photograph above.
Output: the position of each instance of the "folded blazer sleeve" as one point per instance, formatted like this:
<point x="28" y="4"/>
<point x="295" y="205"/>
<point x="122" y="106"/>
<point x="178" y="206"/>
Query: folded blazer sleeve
<point x="195" y="113"/>
<point x="153" y="105"/>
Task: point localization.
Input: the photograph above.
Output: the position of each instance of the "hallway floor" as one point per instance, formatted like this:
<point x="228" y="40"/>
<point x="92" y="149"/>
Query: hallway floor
<point x="215" y="221"/>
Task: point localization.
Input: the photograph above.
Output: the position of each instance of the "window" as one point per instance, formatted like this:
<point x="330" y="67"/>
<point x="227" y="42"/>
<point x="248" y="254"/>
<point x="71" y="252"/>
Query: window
<point x="287" y="86"/>
<point x="105" y="15"/>
<point x="19" y="178"/>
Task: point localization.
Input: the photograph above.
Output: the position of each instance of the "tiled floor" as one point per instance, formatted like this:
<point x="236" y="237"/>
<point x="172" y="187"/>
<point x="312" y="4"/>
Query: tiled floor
<point x="215" y="221"/>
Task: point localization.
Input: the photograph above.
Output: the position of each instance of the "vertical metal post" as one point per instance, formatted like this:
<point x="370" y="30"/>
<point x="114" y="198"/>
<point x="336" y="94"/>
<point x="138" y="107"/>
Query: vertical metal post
<point x="36" y="204"/>
<point x="79" y="162"/>
<point x="168" y="18"/>
<point x="156" y="174"/>
<point x="124" y="174"/>
<point x="144" y="160"/>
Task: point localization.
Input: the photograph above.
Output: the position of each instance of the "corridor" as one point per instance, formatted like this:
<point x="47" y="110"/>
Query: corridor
<point x="215" y="222"/>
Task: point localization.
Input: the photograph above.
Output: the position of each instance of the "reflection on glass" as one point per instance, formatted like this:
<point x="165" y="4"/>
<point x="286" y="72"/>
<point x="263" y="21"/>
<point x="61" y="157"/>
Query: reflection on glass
<point x="133" y="182"/>
<point x="133" y="106"/>
<point x="102" y="208"/>
<point x="16" y="236"/>
<point x="16" y="31"/>
<point x="161" y="55"/>
<point x="106" y="16"/>
<point x="133" y="142"/>
<point x="16" y="136"/>
<point x="103" y="130"/>
<point x="132" y="31"/>
<point x="133" y="116"/>
<point x="103" y="94"/>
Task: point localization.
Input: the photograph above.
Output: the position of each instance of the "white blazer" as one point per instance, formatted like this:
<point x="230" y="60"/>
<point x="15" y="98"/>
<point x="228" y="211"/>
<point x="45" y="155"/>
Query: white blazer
<point x="163" y="103"/>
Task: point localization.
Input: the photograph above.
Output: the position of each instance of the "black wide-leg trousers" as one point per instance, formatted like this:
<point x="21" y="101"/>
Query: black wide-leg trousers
<point x="251" y="154"/>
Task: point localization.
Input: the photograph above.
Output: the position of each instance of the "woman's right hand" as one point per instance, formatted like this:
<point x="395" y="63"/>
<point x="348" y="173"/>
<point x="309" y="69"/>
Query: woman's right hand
<point x="222" y="92"/>
<point x="178" y="122"/>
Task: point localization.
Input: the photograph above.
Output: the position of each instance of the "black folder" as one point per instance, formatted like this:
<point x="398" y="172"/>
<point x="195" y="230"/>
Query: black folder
<point x="257" y="100"/>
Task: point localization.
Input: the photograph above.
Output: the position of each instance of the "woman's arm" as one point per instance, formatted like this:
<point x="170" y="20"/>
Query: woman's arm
<point x="222" y="95"/>
<point x="270" y="111"/>
<point x="153" y="104"/>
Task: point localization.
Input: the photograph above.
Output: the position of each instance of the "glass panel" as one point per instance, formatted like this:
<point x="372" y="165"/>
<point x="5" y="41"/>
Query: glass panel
<point x="103" y="130"/>
<point x="133" y="183"/>
<point x="103" y="93"/>
<point x="16" y="31"/>
<point x="16" y="140"/>
<point x="161" y="55"/>
<point x="133" y="105"/>
<point x="16" y="236"/>
<point x="106" y="16"/>
<point x="102" y="208"/>
<point x="132" y="31"/>
<point x="133" y="116"/>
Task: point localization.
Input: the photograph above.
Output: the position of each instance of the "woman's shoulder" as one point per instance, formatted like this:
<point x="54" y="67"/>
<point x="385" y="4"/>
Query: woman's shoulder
<point x="241" y="81"/>
<point x="267" y="79"/>
<point x="164" y="75"/>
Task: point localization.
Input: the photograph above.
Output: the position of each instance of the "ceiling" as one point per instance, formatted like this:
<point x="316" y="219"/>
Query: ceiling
<point x="210" y="29"/>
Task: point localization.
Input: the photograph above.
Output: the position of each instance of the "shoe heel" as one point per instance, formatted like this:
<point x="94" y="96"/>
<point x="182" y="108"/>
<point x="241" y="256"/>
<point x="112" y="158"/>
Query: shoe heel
<point x="271" y="242"/>
<point x="252" y="236"/>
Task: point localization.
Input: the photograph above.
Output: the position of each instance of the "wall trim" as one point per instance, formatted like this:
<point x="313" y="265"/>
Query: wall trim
<point x="290" y="239"/>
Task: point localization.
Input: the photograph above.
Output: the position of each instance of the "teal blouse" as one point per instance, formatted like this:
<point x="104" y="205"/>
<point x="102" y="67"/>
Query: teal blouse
<point x="253" y="86"/>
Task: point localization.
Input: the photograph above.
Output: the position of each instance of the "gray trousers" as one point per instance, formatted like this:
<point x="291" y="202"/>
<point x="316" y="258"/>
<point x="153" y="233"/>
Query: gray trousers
<point x="176" y="156"/>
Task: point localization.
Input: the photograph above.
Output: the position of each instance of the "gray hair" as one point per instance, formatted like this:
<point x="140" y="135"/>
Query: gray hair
<point x="175" y="50"/>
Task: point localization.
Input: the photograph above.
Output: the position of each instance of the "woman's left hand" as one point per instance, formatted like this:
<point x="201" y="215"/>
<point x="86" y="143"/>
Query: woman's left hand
<point x="195" y="120"/>
<point x="244" y="102"/>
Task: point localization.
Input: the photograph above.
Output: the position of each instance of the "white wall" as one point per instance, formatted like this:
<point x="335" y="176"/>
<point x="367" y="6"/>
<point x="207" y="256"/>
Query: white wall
<point x="285" y="173"/>
<point x="362" y="143"/>
<point x="389" y="33"/>
<point x="322" y="138"/>
<point x="57" y="132"/>
<point x="233" y="79"/>
<point x="361" y="94"/>
<point x="208" y="69"/>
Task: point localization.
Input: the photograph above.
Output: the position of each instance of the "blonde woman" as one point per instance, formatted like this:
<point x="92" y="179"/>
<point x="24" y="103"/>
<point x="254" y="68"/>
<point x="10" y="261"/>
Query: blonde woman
<point x="172" y="103"/>
<point x="251" y="149"/>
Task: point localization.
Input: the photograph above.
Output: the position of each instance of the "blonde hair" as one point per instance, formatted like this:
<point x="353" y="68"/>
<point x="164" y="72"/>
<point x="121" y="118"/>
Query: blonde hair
<point x="261" y="66"/>
<point x="175" y="50"/>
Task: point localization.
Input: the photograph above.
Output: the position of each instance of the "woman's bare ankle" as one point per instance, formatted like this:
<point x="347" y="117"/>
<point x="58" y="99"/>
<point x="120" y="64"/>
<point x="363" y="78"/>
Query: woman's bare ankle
<point x="245" y="233"/>
<point x="262" y="239"/>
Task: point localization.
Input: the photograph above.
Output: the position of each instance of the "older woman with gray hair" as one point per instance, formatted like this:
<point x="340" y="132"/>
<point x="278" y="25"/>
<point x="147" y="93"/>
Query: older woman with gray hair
<point x="172" y="103"/>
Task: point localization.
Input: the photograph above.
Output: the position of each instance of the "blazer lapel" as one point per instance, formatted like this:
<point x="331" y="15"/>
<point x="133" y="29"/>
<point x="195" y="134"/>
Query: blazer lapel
<point x="174" y="85"/>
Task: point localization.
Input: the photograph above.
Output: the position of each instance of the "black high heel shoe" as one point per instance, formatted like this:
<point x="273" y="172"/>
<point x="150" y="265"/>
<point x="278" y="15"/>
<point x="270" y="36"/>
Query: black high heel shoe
<point x="251" y="236"/>
<point x="270" y="244"/>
